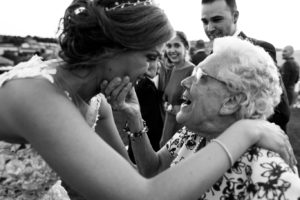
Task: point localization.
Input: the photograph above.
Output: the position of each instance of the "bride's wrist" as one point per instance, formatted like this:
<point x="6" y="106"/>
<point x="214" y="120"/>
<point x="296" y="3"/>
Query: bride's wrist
<point x="244" y="129"/>
<point x="253" y="133"/>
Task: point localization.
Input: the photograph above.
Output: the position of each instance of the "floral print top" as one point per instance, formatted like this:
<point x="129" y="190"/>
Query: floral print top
<point x="24" y="175"/>
<point x="258" y="174"/>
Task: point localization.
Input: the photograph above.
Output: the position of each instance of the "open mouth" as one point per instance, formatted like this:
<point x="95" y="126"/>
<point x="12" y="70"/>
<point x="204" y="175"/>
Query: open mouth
<point x="173" y="55"/>
<point x="185" y="100"/>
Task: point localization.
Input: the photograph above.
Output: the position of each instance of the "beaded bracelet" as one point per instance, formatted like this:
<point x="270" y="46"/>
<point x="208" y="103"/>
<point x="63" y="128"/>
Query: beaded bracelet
<point x="225" y="149"/>
<point x="136" y="134"/>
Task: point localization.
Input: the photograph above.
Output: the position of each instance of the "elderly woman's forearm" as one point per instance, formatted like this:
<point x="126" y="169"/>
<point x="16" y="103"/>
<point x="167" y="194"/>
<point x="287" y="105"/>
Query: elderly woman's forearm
<point x="146" y="158"/>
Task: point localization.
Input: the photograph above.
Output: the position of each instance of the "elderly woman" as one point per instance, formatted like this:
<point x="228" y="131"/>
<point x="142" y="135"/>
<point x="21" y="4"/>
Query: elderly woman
<point x="238" y="81"/>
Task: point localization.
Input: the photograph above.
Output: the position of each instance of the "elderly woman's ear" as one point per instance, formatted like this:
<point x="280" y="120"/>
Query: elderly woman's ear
<point x="232" y="103"/>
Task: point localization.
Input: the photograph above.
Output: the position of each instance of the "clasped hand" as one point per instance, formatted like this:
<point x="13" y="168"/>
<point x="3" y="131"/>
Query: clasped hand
<point x="121" y="95"/>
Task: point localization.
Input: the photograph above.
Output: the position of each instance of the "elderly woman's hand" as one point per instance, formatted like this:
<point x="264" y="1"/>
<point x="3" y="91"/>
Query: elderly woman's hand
<point x="121" y="95"/>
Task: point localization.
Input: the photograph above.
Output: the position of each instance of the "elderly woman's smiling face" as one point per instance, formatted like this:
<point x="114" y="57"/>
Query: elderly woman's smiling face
<point x="204" y="94"/>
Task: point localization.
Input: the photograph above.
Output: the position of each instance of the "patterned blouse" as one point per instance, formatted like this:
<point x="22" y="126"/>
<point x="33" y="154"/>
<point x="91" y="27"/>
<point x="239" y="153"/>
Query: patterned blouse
<point x="24" y="175"/>
<point x="258" y="174"/>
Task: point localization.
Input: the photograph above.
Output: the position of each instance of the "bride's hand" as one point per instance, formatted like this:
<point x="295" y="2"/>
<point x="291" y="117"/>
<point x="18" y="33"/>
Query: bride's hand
<point x="269" y="136"/>
<point x="121" y="95"/>
<point x="278" y="142"/>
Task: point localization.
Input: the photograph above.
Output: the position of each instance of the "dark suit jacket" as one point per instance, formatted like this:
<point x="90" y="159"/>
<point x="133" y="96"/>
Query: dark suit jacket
<point x="198" y="57"/>
<point x="150" y="100"/>
<point x="290" y="73"/>
<point x="281" y="115"/>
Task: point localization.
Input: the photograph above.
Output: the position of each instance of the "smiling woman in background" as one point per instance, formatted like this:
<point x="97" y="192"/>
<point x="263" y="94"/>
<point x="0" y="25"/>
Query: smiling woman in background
<point x="177" y="51"/>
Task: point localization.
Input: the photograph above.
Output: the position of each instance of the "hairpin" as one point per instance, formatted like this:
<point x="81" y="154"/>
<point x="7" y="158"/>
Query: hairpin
<point x="128" y="4"/>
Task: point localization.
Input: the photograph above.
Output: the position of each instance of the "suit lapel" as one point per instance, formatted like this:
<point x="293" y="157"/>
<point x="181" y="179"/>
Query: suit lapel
<point x="243" y="36"/>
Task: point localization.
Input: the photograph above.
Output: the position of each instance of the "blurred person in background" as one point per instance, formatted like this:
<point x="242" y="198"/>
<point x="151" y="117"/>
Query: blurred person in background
<point x="177" y="51"/>
<point x="290" y="73"/>
<point x="199" y="53"/>
<point x="165" y="70"/>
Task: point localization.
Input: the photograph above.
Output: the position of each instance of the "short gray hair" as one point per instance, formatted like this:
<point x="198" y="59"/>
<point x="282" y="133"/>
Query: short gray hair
<point x="249" y="69"/>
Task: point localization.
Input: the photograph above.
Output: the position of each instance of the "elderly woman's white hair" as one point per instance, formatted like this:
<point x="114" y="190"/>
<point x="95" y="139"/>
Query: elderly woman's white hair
<point x="249" y="69"/>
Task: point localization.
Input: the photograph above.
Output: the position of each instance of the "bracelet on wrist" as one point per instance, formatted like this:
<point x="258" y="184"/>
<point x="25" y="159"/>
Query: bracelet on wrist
<point x="138" y="134"/>
<point x="221" y="144"/>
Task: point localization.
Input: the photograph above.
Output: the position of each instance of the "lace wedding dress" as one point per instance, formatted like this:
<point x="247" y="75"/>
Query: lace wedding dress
<point x="24" y="175"/>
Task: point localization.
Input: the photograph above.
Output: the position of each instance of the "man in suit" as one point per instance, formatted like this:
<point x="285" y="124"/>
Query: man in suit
<point x="219" y="18"/>
<point x="289" y="72"/>
<point x="150" y="100"/>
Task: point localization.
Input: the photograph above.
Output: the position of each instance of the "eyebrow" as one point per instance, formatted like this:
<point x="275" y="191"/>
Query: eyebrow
<point x="216" y="17"/>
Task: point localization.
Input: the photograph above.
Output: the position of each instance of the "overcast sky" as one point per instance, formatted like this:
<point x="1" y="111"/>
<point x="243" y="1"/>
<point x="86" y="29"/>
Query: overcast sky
<point x="276" y="21"/>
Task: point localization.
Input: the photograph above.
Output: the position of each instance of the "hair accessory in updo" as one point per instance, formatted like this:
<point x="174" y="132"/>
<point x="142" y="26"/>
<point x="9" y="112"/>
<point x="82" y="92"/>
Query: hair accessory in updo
<point x="119" y="5"/>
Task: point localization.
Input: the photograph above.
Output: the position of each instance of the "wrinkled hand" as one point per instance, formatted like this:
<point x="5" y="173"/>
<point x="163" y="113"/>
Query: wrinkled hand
<point x="121" y="95"/>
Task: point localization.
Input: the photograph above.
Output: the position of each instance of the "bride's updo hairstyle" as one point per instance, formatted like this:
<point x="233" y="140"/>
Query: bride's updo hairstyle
<point x="93" y="30"/>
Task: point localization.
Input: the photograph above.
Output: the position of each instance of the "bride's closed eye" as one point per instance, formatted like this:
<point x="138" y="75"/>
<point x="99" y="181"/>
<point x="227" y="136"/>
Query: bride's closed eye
<point x="153" y="56"/>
